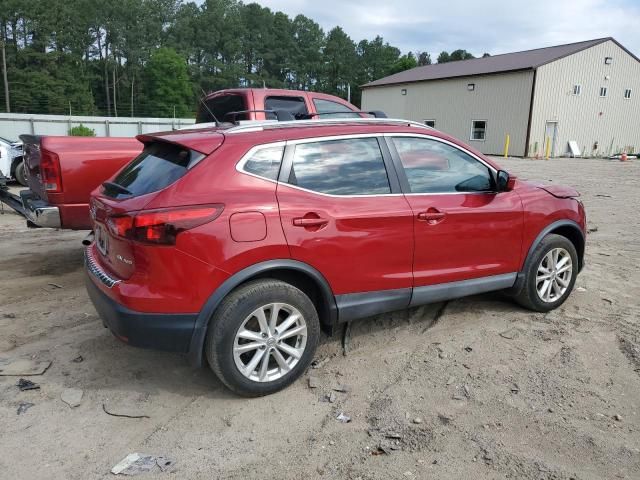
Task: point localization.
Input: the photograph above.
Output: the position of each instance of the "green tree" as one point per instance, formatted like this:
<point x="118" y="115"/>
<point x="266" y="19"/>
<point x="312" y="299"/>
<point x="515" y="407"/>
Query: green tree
<point x="307" y="60"/>
<point x="279" y="53"/>
<point x="167" y="85"/>
<point x="376" y="59"/>
<point x="454" y="56"/>
<point x="424" y="59"/>
<point x="339" y="62"/>
<point x="108" y="57"/>
<point x="82" y="131"/>
<point x="460" y="55"/>
<point x="405" y="62"/>
<point x="257" y="36"/>
<point x="444" y="57"/>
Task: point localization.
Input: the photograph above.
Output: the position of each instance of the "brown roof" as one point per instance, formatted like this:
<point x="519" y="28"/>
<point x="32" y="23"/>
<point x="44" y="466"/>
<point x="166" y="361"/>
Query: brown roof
<point x="506" y="62"/>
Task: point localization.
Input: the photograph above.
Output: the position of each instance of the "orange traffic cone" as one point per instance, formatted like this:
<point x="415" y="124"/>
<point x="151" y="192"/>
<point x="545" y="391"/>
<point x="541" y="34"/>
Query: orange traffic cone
<point x="623" y="157"/>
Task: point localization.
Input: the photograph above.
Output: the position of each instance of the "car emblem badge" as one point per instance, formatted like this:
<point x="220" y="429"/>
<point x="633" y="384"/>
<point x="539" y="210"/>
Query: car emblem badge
<point x="124" y="260"/>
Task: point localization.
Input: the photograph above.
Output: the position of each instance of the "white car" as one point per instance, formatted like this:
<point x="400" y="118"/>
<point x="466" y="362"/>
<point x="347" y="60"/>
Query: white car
<point x="11" y="164"/>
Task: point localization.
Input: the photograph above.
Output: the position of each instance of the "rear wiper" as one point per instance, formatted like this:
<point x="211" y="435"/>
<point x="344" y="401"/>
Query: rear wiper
<point x="115" y="186"/>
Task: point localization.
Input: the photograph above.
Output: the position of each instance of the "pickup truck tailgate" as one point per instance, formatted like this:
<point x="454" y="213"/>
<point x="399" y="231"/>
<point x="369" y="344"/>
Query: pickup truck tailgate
<point x="31" y="159"/>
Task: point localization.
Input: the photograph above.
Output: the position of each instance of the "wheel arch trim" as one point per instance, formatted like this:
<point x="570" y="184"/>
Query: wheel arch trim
<point x="543" y="233"/>
<point x="196" y="347"/>
<point x="552" y="227"/>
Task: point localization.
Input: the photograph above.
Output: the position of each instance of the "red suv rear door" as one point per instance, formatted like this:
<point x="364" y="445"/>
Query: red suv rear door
<point x="464" y="230"/>
<point x="345" y="216"/>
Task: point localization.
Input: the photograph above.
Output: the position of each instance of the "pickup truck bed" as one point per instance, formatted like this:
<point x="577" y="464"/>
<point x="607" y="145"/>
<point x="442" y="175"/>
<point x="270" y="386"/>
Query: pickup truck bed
<point x="73" y="168"/>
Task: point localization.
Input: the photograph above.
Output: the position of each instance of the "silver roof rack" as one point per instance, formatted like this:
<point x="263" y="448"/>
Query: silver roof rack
<point x="259" y="125"/>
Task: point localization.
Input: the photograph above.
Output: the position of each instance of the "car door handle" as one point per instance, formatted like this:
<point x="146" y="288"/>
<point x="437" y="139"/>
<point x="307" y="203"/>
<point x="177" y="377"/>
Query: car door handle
<point x="309" y="222"/>
<point x="432" y="216"/>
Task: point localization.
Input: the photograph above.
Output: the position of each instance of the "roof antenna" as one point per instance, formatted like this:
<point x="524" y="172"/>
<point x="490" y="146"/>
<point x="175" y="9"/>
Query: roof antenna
<point x="204" y="94"/>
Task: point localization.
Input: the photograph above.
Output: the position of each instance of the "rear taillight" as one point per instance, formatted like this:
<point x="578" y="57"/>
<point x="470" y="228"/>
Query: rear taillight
<point x="161" y="227"/>
<point x="50" y="172"/>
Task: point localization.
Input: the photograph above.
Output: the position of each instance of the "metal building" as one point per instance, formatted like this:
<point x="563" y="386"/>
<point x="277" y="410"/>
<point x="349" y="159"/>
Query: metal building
<point x="584" y="95"/>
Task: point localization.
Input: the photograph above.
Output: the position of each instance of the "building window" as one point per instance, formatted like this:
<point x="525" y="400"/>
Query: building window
<point x="430" y="123"/>
<point x="471" y="87"/>
<point x="577" y="89"/>
<point x="627" y="93"/>
<point x="403" y="91"/>
<point x="603" y="91"/>
<point x="608" y="60"/>
<point x="478" y="130"/>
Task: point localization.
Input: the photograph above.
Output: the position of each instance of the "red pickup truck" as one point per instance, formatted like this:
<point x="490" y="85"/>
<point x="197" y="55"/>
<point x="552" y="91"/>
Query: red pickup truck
<point x="62" y="171"/>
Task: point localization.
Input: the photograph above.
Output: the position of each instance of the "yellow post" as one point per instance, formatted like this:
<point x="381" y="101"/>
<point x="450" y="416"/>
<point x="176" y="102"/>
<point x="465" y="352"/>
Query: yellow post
<point x="547" y="148"/>
<point x="506" y="146"/>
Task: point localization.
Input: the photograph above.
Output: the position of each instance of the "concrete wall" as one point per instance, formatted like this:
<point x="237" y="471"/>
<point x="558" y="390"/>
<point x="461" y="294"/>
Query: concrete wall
<point x="12" y="125"/>
<point x="502" y="100"/>
<point x="612" y="121"/>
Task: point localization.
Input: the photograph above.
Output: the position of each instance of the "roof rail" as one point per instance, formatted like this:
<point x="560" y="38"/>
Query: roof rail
<point x="259" y="125"/>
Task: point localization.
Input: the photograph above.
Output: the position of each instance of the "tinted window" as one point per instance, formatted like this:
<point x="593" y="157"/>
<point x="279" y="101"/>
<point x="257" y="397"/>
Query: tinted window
<point x="333" y="109"/>
<point x="158" y="166"/>
<point x="220" y="106"/>
<point x="436" y="167"/>
<point x="340" y="167"/>
<point x="295" y="105"/>
<point x="265" y="162"/>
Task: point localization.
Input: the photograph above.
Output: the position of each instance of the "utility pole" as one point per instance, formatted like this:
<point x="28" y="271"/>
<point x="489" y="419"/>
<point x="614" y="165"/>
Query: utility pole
<point x="133" y="77"/>
<point x="115" y="100"/>
<point x="4" y="76"/>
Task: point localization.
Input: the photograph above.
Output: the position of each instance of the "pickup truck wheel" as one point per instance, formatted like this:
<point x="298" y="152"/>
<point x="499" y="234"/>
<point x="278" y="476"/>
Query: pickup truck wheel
<point x="550" y="274"/>
<point x="20" y="174"/>
<point x="262" y="337"/>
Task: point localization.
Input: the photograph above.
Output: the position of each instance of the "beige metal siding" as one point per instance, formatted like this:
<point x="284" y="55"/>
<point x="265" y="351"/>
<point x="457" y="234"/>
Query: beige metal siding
<point x="612" y="121"/>
<point x="502" y="100"/>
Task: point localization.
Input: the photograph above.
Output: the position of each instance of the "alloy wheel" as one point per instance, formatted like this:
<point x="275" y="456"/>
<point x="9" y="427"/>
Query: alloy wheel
<point x="270" y="342"/>
<point x="554" y="275"/>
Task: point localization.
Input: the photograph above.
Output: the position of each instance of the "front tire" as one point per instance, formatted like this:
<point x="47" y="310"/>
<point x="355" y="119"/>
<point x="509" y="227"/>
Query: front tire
<point x="550" y="274"/>
<point x="262" y="337"/>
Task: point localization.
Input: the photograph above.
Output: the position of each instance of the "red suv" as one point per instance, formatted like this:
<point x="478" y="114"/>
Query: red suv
<point x="238" y="244"/>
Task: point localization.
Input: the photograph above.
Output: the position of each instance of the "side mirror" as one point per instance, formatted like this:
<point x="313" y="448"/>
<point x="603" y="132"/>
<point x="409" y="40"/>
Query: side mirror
<point x="504" y="182"/>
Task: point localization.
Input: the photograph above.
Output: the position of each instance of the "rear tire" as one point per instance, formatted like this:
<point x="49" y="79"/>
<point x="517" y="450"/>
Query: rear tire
<point x="549" y="274"/>
<point x="20" y="174"/>
<point x="244" y="347"/>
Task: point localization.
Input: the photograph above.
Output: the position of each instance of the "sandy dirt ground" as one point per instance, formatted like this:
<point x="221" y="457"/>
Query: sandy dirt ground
<point x="476" y="388"/>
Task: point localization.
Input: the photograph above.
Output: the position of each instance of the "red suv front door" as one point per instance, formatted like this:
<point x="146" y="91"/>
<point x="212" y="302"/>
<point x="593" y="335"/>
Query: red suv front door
<point x="464" y="230"/>
<point x="341" y="216"/>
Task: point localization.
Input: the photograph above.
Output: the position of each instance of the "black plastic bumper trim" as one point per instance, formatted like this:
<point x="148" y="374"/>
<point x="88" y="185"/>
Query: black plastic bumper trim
<point x="159" y="331"/>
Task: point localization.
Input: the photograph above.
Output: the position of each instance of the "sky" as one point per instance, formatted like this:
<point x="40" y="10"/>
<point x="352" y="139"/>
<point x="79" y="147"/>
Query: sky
<point x="477" y="26"/>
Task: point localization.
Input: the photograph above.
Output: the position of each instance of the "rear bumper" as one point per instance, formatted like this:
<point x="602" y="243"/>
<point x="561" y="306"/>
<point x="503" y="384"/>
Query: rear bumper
<point x="168" y="332"/>
<point x="39" y="212"/>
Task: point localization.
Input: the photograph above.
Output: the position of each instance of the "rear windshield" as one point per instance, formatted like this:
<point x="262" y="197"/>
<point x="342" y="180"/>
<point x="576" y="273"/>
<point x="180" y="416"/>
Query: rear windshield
<point x="219" y="107"/>
<point x="158" y="166"/>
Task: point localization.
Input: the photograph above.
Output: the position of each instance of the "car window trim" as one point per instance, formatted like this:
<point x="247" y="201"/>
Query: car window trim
<point x="287" y="164"/>
<point x="402" y="176"/>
